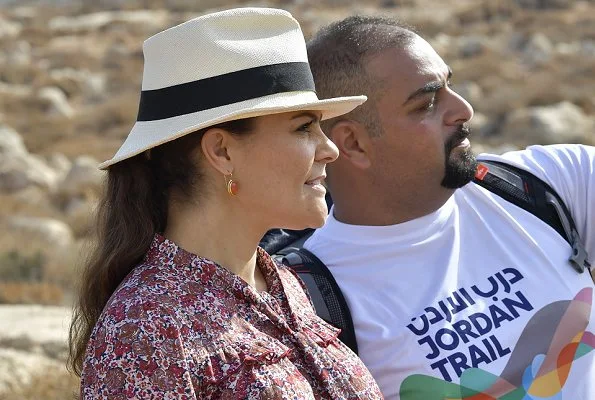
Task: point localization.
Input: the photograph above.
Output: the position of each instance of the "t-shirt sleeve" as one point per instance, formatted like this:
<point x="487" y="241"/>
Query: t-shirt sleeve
<point x="570" y="170"/>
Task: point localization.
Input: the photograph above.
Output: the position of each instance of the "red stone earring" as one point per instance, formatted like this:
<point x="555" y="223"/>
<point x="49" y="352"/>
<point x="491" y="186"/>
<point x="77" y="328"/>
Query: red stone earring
<point x="232" y="186"/>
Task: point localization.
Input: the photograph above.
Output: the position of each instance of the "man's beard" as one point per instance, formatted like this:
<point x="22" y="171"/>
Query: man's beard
<point x="459" y="170"/>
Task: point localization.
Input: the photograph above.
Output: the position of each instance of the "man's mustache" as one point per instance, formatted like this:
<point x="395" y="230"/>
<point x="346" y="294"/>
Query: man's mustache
<point x="457" y="137"/>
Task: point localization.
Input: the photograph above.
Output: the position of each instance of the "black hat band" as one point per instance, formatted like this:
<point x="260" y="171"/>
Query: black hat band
<point x="224" y="89"/>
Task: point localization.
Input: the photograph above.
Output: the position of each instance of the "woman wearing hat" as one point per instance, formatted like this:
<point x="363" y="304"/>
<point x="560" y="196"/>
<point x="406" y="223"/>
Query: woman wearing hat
<point x="178" y="301"/>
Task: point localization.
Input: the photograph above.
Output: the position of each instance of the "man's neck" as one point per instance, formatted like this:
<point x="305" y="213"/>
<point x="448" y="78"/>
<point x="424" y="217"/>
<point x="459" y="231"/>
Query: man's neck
<point x="381" y="210"/>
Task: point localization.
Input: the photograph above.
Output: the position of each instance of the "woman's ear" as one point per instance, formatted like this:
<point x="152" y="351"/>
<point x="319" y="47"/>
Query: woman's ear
<point x="214" y="146"/>
<point x="353" y="142"/>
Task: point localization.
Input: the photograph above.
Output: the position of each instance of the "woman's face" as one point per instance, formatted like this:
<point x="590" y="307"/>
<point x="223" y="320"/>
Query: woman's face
<point x="280" y="167"/>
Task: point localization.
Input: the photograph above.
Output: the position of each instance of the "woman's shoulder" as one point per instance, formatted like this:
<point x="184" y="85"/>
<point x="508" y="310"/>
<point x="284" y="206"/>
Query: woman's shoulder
<point x="143" y="291"/>
<point x="194" y="301"/>
<point x="135" y="307"/>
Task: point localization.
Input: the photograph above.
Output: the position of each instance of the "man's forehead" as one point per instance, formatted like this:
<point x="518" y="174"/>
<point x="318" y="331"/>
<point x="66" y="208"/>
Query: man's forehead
<point x="426" y="57"/>
<point x="416" y="59"/>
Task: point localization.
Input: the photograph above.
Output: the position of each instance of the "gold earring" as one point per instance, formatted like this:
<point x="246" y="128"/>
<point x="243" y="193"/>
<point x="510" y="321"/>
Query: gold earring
<point x="232" y="186"/>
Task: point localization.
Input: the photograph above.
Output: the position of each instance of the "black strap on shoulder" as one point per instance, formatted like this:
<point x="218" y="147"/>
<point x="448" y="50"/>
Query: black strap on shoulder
<point x="532" y="194"/>
<point x="278" y="241"/>
<point x="326" y="295"/>
<point x="281" y="241"/>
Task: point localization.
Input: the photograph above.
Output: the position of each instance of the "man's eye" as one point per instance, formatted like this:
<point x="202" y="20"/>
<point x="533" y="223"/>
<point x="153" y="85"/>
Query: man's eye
<point x="429" y="106"/>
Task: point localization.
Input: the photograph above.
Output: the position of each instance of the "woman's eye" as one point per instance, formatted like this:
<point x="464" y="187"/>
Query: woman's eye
<point x="306" y="127"/>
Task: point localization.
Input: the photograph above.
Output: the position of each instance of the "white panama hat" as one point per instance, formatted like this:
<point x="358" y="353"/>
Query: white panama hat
<point x="224" y="66"/>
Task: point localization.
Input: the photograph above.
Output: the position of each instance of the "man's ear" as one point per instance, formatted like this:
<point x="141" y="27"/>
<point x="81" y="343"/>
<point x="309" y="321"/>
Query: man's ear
<point x="353" y="142"/>
<point x="215" y="148"/>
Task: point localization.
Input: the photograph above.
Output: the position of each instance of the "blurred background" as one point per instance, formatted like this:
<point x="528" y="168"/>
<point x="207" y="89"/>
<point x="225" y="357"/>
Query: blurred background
<point x="70" y="74"/>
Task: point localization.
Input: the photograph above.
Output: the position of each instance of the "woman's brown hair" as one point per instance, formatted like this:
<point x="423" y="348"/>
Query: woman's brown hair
<point x="133" y="208"/>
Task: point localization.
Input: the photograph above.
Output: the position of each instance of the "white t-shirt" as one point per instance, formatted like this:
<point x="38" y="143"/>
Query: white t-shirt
<point x="477" y="297"/>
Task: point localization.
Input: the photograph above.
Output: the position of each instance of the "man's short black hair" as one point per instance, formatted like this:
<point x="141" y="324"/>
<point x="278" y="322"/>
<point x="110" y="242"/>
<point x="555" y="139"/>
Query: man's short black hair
<point x="337" y="54"/>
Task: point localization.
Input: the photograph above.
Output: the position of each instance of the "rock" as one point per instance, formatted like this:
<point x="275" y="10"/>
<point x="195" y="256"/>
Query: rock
<point x="81" y="23"/>
<point x="544" y="4"/>
<point x="74" y="82"/>
<point x="32" y="340"/>
<point x="8" y="90"/>
<point x="41" y="324"/>
<point x="82" y="177"/>
<point x="12" y="178"/>
<point x="80" y="213"/>
<point x="538" y="50"/>
<point x="442" y="43"/>
<point x="56" y="235"/>
<point x="471" y="46"/>
<point x="587" y="48"/>
<point x="516" y="41"/>
<point x="147" y="19"/>
<point x="19" y="171"/>
<point x="10" y="142"/>
<point x="17" y="63"/>
<point x="9" y="29"/>
<point x="17" y="53"/>
<point x="568" y="49"/>
<point x="560" y="123"/>
<point x="33" y="200"/>
<point x="470" y="91"/>
<point x="17" y="368"/>
<point x="56" y="102"/>
<point x="18" y="168"/>
<point x="77" y="207"/>
<point x="481" y="126"/>
<point x="25" y="12"/>
<point x="59" y="163"/>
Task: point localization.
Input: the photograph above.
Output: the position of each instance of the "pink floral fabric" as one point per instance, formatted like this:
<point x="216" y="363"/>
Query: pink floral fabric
<point x="182" y="327"/>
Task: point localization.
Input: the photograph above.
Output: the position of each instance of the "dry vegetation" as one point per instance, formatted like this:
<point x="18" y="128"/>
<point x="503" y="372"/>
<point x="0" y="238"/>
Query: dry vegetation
<point x="51" y="384"/>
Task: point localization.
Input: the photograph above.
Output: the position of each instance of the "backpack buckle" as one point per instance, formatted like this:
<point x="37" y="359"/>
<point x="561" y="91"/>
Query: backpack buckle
<point x="578" y="258"/>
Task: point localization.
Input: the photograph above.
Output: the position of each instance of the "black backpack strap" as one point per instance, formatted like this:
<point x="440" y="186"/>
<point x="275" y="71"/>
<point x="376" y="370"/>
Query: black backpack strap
<point x="296" y="245"/>
<point x="326" y="295"/>
<point x="532" y="194"/>
<point x="278" y="240"/>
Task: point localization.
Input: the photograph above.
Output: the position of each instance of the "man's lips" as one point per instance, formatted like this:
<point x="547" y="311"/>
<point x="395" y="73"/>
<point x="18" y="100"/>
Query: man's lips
<point x="459" y="138"/>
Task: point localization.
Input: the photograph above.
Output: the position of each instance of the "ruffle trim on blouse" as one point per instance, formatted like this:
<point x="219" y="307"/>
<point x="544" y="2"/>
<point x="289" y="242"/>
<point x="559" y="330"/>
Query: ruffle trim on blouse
<point x="225" y="362"/>
<point x="319" y="330"/>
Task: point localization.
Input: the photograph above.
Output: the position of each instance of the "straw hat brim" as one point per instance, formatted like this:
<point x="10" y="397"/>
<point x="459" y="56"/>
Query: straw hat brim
<point x="148" y="134"/>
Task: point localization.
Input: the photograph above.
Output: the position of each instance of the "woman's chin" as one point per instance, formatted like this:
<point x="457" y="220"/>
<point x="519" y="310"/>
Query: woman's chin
<point x="315" y="218"/>
<point x="310" y="215"/>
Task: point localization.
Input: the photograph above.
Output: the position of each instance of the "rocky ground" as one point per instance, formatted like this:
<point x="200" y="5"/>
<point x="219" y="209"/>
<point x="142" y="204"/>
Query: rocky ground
<point x="69" y="80"/>
<point x="32" y="340"/>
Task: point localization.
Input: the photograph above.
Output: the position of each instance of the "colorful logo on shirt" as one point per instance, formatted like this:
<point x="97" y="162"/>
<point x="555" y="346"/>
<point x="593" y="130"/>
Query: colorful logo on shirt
<point x="538" y="368"/>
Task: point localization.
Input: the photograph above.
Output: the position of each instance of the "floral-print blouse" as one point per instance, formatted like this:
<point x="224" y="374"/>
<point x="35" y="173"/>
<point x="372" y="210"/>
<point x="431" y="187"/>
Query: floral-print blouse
<point x="182" y="327"/>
